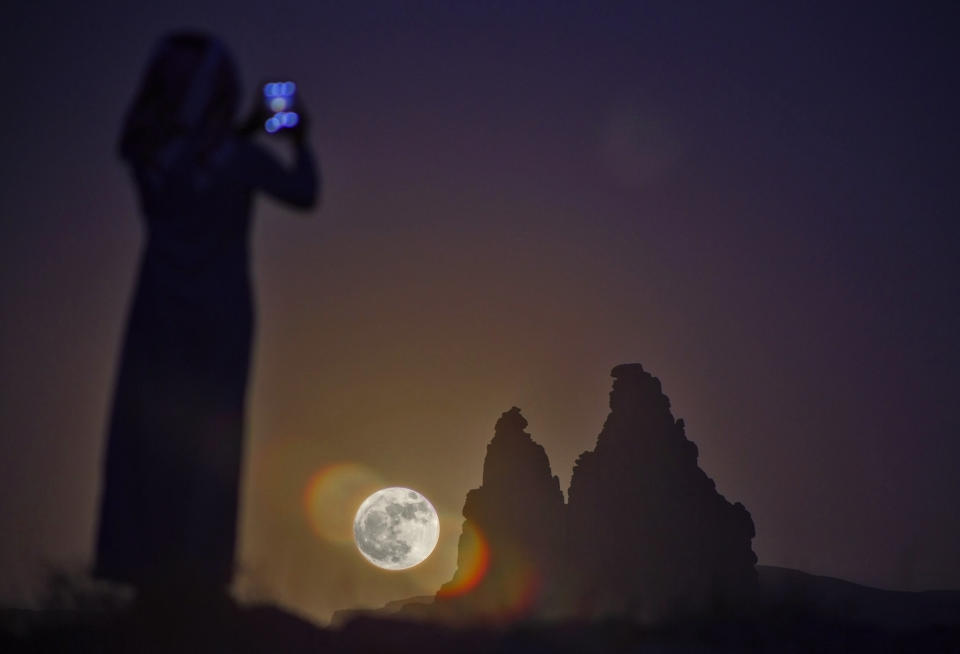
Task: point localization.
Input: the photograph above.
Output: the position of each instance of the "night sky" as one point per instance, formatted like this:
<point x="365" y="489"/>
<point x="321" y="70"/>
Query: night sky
<point x="757" y="202"/>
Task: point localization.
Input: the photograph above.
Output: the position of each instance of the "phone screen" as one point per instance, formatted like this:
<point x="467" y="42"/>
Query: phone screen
<point x="279" y="99"/>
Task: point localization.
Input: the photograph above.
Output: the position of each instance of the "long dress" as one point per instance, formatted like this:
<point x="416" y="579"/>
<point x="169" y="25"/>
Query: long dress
<point x="169" y="504"/>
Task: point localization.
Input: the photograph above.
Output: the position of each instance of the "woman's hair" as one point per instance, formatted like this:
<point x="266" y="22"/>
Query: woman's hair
<point x="188" y="97"/>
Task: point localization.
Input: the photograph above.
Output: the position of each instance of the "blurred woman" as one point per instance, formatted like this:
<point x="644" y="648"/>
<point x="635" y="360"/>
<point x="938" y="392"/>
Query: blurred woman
<point x="168" y="511"/>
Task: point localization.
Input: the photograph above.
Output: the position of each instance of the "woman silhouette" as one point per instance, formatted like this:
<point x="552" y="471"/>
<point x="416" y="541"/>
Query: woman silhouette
<point x="168" y="512"/>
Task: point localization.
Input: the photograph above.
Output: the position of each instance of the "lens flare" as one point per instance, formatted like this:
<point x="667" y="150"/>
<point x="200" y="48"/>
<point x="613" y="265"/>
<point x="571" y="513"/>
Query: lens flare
<point x="503" y="582"/>
<point x="332" y="496"/>
<point x="473" y="561"/>
<point x="521" y="593"/>
<point x="278" y="104"/>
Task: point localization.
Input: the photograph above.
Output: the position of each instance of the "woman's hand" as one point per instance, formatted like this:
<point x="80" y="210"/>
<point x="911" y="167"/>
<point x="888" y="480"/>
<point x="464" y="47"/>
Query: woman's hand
<point x="260" y="113"/>
<point x="298" y="133"/>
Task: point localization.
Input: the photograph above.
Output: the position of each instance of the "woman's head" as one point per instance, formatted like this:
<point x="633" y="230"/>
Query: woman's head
<point x="190" y="92"/>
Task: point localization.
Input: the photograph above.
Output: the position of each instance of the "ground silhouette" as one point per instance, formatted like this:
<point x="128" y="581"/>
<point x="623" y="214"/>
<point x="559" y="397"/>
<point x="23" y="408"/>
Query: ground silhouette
<point x="798" y="613"/>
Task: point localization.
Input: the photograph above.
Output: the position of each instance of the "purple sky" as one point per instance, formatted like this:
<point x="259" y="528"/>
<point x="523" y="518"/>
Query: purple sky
<point x="758" y="203"/>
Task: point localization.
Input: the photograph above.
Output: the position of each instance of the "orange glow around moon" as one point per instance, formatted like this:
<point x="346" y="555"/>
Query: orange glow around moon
<point x="333" y="494"/>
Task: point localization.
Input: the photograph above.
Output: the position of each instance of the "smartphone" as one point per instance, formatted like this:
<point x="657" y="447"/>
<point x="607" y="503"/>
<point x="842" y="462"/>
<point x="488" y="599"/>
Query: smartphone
<point x="279" y="98"/>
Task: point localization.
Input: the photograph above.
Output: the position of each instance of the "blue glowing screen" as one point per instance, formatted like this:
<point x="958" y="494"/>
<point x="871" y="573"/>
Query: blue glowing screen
<point x="279" y="99"/>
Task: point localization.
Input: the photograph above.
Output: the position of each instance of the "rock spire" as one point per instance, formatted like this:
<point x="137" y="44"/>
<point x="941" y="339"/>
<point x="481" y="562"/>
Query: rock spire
<point x="512" y="531"/>
<point x="651" y="535"/>
<point x="644" y="534"/>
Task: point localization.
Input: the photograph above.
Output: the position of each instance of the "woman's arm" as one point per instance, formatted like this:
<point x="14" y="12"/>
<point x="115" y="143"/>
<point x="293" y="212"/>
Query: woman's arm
<point x="299" y="186"/>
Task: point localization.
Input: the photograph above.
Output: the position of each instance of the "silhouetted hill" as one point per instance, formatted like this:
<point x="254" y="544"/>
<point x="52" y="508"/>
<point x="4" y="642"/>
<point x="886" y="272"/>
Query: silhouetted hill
<point x="389" y="610"/>
<point x="846" y="601"/>
<point x="648" y="533"/>
<point x="784" y="591"/>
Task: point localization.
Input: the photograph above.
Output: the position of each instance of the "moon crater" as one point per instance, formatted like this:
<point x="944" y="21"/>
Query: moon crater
<point x="396" y="528"/>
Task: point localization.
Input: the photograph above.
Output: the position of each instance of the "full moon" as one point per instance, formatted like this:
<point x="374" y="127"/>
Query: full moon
<point x="396" y="528"/>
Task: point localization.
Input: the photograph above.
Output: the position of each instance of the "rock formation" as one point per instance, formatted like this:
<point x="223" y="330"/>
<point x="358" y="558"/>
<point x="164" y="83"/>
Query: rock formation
<point x="512" y="533"/>
<point x="644" y="534"/>
<point x="648" y="534"/>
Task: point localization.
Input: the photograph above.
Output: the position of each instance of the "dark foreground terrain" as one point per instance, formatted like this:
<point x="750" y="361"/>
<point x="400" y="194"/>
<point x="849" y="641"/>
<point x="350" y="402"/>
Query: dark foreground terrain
<point x="800" y="613"/>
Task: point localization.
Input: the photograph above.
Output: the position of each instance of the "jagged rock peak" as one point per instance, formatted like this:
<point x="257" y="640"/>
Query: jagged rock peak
<point x="634" y="387"/>
<point x="513" y="455"/>
<point x="680" y="545"/>
<point x="629" y="370"/>
<point x="511" y="422"/>
<point x="518" y="511"/>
